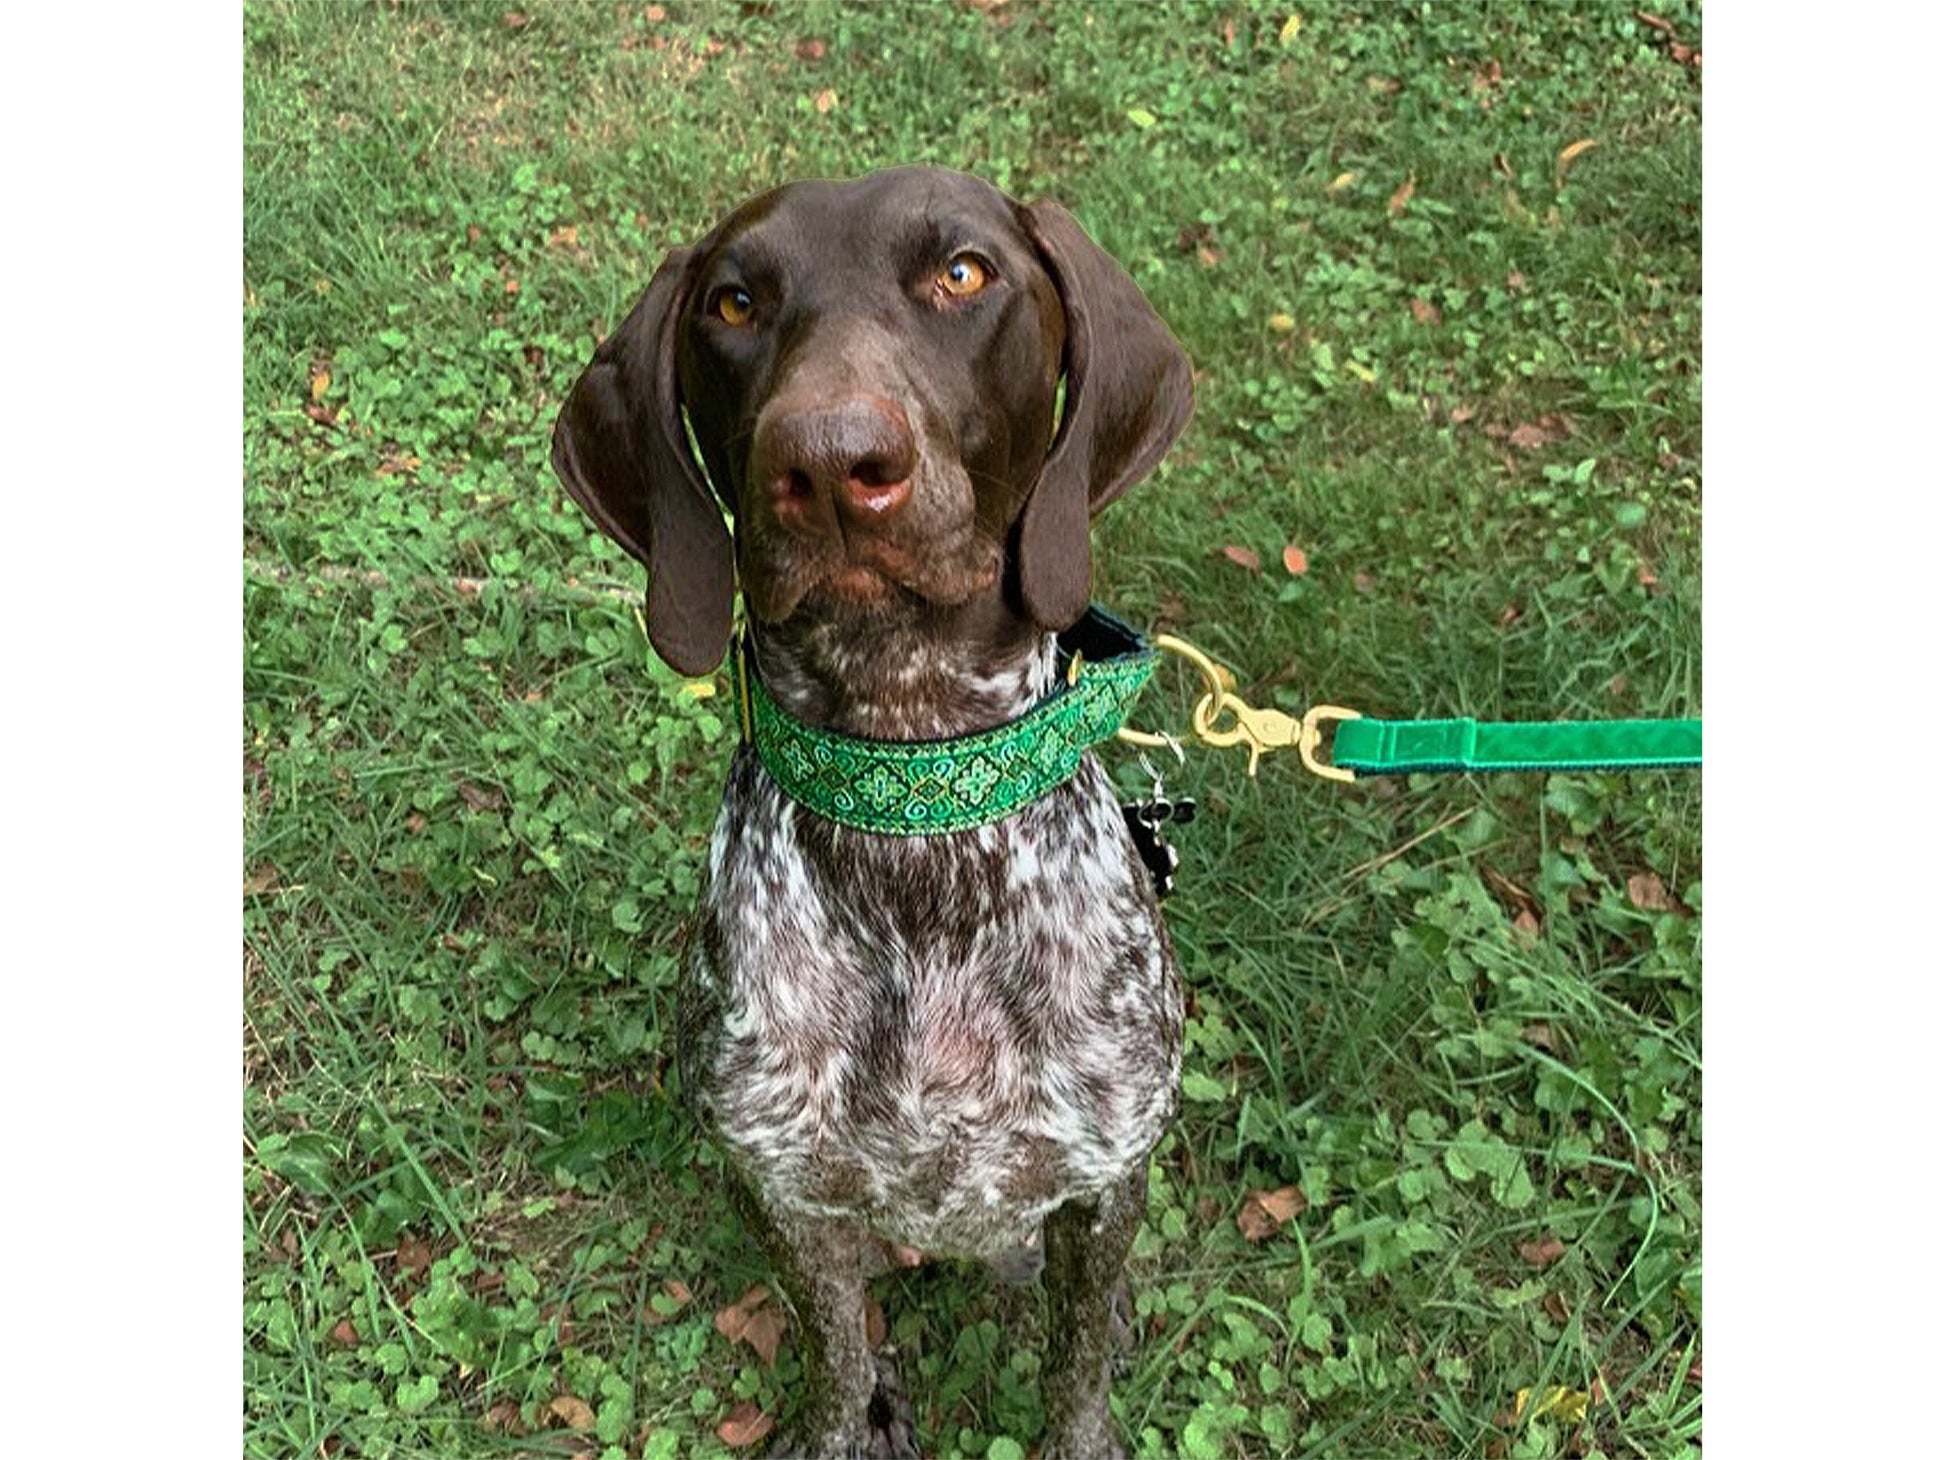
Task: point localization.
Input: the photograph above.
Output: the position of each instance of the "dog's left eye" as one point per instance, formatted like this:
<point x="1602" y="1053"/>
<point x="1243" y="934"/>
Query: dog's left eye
<point x="963" y="276"/>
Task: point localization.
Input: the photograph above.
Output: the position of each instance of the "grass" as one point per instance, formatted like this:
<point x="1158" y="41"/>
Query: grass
<point x="1451" y="361"/>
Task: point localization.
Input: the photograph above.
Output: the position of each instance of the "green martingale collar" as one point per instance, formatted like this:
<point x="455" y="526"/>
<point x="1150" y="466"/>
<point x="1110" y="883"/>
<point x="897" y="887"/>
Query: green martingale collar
<point x="925" y="787"/>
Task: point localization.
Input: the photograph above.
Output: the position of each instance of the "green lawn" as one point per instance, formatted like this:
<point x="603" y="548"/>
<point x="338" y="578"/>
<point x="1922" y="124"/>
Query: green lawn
<point x="1444" y="348"/>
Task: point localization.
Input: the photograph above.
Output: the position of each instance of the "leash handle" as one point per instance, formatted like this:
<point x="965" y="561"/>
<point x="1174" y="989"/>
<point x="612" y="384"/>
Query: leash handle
<point x="1395" y="747"/>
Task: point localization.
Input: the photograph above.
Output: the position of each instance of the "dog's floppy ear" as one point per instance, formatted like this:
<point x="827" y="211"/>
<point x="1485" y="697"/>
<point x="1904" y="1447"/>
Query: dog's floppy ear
<point x="620" y="448"/>
<point x="1128" y="397"/>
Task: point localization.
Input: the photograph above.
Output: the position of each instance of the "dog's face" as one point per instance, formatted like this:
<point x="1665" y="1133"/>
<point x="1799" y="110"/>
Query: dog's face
<point x="870" y="371"/>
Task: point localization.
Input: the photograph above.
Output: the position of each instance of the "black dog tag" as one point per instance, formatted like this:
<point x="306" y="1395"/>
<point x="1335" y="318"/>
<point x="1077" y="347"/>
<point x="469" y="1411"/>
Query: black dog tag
<point x="1145" y="822"/>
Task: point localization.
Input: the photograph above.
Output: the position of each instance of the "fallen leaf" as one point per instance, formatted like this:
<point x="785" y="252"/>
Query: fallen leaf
<point x="260" y="881"/>
<point x="1655" y="22"/>
<point x="744" y="1425"/>
<point x="1527" y="926"/>
<point x="503" y="1414"/>
<point x="1290" y="29"/>
<point x="481" y="798"/>
<point x="1556" y="1307"/>
<point x="1568" y="155"/>
<point x="345" y="1334"/>
<point x="320" y="383"/>
<point x="732" y="1322"/>
<point x="1364" y="582"/>
<point x="572" y="1412"/>
<point x="1425" y="312"/>
<point x="1645" y="575"/>
<point x="1541" y="1036"/>
<point x="1263" y="1212"/>
<point x="1570" y="1404"/>
<point x="412" y="1256"/>
<point x="1684" y="55"/>
<point x="514" y="20"/>
<point x="875" y="1328"/>
<point x="1646" y="891"/>
<point x="1295" y="562"/>
<point x="1282" y="323"/>
<point x="1342" y="181"/>
<point x="1516" y="280"/>
<point x="1395" y="205"/>
<point x="1460" y="415"/>
<point x="809" y="49"/>
<point x="655" y="14"/>
<point x="1543" y="1252"/>
<point x="764" y="1332"/>
<point x="825" y="100"/>
<point x="1244" y="558"/>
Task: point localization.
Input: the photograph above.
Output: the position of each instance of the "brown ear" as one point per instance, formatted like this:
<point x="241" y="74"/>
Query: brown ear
<point x="620" y="448"/>
<point x="1128" y="396"/>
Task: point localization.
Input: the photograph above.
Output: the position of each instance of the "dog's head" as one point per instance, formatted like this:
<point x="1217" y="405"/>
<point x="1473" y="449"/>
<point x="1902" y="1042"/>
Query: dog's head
<point x="869" y="369"/>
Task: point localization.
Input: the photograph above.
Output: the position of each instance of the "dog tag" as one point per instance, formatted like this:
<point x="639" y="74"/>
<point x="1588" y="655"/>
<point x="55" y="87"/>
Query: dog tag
<point x="1145" y="822"/>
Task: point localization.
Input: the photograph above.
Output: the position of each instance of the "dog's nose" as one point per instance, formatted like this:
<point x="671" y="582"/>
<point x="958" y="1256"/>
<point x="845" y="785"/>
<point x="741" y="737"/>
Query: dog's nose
<point x="855" y="454"/>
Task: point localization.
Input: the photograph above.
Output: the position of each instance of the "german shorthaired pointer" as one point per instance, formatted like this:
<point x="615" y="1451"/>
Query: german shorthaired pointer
<point x="956" y="1044"/>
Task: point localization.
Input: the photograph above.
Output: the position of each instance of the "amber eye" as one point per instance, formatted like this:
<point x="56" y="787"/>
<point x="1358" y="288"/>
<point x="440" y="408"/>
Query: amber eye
<point x="731" y="305"/>
<point x="964" y="275"/>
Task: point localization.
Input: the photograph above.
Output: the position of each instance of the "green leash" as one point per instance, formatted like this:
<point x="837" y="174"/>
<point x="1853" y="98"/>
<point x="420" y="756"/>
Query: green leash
<point x="1394" y="747"/>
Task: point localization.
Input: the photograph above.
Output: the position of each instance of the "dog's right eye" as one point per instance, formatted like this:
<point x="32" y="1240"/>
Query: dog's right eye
<point x="732" y="305"/>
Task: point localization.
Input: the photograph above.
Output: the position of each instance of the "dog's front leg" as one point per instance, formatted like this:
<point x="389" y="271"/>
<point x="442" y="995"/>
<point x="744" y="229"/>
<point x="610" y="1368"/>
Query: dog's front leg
<point x="1087" y="1245"/>
<point x="820" y="1263"/>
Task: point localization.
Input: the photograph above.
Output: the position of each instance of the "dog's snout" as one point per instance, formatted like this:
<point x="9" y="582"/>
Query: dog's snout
<point x="854" y="457"/>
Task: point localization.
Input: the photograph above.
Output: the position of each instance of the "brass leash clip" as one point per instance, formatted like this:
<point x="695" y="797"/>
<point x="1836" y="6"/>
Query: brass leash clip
<point x="1259" y="729"/>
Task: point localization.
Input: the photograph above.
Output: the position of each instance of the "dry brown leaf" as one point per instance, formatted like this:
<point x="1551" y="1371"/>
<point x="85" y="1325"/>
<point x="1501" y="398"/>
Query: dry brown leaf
<point x="1646" y="891"/>
<point x="875" y="1328"/>
<point x="260" y="881"/>
<point x="1543" y="1252"/>
<point x="1295" y="562"/>
<point x="1243" y="557"/>
<point x="320" y="383"/>
<point x="1568" y="155"/>
<point x="1263" y="1212"/>
<point x="345" y="1334"/>
<point x="825" y="100"/>
<point x="1654" y="22"/>
<point x="733" y="1320"/>
<point x="572" y="1412"/>
<point x="1527" y="437"/>
<point x="1645" y="575"/>
<point x="764" y="1332"/>
<point x="655" y="14"/>
<point x="503" y="1414"/>
<point x="744" y="1425"/>
<point x="413" y="1256"/>
<point x="1364" y="582"/>
<point x="1425" y="311"/>
<point x="809" y="49"/>
<point x="1395" y="205"/>
<point x="1527" y="926"/>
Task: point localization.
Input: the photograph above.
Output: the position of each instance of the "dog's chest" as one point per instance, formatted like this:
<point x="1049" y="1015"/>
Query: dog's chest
<point x="945" y="1037"/>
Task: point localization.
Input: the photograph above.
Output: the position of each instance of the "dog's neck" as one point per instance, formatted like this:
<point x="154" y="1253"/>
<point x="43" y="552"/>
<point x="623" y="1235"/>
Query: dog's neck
<point x="919" y="672"/>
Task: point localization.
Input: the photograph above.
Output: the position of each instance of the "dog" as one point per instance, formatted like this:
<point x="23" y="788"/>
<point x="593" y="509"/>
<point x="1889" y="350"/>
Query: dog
<point x="959" y="1044"/>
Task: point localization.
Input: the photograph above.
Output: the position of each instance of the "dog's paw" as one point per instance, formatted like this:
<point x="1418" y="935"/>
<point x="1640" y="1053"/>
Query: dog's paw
<point x="894" y="1435"/>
